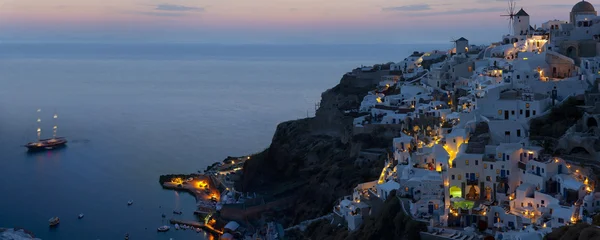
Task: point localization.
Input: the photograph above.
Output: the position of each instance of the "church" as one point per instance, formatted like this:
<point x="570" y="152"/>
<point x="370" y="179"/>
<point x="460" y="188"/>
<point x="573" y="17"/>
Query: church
<point x="578" y="38"/>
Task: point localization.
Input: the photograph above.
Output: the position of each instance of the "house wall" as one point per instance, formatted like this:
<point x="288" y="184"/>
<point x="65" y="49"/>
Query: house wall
<point x="497" y="213"/>
<point x="499" y="128"/>
<point x="462" y="70"/>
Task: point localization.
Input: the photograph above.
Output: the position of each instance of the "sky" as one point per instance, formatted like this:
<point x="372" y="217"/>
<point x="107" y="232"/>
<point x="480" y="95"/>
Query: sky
<point x="266" y="21"/>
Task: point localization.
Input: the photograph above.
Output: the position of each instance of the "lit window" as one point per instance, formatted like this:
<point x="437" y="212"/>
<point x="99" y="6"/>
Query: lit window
<point x="527" y="105"/>
<point x="477" y="175"/>
<point x="497" y="171"/>
<point x="467" y="162"/>
<point x="459" y="177"/>
<point x="406" y="189"/>
<point x="485" y="166"/>
<point x="500" y="111"/>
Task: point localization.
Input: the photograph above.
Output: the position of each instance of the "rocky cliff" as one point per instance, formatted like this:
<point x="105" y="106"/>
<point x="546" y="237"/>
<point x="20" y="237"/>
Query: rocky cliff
<point x="313" y="160"/>
<point x="16" y="234"/>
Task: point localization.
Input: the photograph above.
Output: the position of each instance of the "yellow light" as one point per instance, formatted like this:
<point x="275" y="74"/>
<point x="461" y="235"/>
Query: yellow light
<point x="484" y="213"/>
<point x="248" y="157"/>
<point x="588" y="189"/>
<point x="379" y="100"/>
<point x="573" y="219"/>
<point x="556" y="160"/>
<point x="232" y="162"/>
<point x="568" y="166"/>
<point x="544" y="225"/>
<point x="446" y="183"/>
<point x="577" y="171"/>
<point x="525" y="58"/>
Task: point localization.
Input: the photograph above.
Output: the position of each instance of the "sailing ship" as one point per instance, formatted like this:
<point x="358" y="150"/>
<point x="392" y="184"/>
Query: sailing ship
<point x="49" y="143"/>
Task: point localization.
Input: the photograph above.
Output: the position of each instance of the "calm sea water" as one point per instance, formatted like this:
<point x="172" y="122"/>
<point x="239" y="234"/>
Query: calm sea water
<point x="134" y="112"/>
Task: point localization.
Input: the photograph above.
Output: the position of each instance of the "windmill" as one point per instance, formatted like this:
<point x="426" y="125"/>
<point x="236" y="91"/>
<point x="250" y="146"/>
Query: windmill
<point x="510" y="13"/>
<point x="453" y="41"/>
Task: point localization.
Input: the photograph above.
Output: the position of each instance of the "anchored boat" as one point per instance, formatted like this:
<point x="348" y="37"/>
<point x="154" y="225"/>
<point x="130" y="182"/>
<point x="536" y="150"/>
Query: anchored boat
<point x="53" y="221"/>
<point x="49" y="143"/>
<point x="163" y="228"/>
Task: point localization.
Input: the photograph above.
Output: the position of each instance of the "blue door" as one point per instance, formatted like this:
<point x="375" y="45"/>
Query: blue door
<point x="537" y="170"/>
<point x="472" y="176"/>
<point x="560" y="169"/>
<point x="430" y="208"/>
<point x="503" y="173"/>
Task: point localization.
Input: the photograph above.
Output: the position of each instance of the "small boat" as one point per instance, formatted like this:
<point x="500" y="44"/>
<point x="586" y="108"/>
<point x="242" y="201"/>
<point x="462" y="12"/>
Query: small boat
<point x="126" y="236"/>
<point x="54" y="221"/>
<point x="80" y="216"/>
<point x="163" y="228"/>
<point x="176" y="226"/>
<point x="130" y="202"/>
<point x="178" y="212"/>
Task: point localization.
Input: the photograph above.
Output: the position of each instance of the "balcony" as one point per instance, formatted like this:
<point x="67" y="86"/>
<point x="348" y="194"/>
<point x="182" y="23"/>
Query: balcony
<point x="500" y="179"/>
<point x="473" y="182"/>
<point x="338" y="211"/>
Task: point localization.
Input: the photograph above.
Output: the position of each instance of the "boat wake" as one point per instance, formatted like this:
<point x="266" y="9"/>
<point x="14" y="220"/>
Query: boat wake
<point x="80" y="141"/>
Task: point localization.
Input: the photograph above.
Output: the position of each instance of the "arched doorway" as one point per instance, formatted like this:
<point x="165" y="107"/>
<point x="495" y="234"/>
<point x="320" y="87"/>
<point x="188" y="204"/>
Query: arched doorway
<point x="572" y="52"/>
<point x="473" y="193"/>
<point x="591" y="122"/>
<point x="455" y="192"/>
<point x="488" y="194"/>
<point x="576" y="150"/>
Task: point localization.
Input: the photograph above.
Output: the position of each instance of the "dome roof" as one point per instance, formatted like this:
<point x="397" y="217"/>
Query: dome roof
<point x="583" y="6"/>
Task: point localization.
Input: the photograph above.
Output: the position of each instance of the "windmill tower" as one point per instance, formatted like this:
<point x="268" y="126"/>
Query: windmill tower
<point x="510" y="13"/>
<point x="460" y="45"/>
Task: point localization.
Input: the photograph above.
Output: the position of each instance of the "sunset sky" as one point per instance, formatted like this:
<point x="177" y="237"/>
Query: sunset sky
<point x="265" y="21"/>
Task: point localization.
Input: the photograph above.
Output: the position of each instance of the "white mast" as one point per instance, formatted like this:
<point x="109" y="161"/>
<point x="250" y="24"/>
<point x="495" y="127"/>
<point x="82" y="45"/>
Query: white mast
<point x="55" y="128"/>
<point x="39" y="129"/>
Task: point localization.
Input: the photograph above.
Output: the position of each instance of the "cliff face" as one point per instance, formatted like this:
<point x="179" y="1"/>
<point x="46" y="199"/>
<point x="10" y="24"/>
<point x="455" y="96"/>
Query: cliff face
<point x="579" y="231"/>
<point x="16" y="234"/>
<point x="312" y="160"/>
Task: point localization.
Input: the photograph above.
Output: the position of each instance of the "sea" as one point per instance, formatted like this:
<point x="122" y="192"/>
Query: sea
<point x="132" y="112"/>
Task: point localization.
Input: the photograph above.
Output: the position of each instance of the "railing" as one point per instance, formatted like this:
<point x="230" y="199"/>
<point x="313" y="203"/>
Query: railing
<point x="502" y="179"/>
<point x="472" y="181"/>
